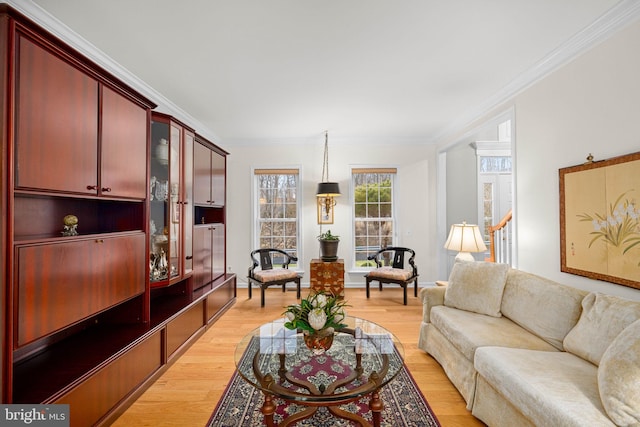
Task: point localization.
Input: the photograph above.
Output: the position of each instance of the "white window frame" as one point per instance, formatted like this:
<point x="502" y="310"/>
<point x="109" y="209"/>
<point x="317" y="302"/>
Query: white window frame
<point x="393" y="218"/>
<point x="256" y="224"/>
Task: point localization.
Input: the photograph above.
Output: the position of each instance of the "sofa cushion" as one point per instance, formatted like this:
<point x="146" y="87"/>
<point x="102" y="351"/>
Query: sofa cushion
<point x="467" y="331"/>
<point x="548" y="388"/>
<point x="524" y="295"/>
<point x="476" y="287"/>
<point x="603" y="318"/>
<point x="619" y="377"/>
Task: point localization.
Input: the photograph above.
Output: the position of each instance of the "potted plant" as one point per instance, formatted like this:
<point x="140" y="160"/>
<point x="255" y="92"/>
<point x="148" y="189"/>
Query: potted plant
<point x="328" y="246"/>
<point x="318" y="317"/>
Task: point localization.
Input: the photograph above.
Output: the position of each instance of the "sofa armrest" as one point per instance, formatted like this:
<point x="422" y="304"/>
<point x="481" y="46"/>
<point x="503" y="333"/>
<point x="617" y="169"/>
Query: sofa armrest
<point x="431" y="297"/>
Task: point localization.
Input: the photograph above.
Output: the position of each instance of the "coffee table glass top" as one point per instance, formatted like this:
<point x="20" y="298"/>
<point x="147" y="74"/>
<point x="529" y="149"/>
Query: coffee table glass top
<point x="363" y="358"/>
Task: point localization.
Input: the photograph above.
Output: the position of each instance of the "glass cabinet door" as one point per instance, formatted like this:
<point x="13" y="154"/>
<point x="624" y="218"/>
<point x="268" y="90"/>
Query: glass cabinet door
<point x="175" y="228"/>
<point x="165" y="222"/>
<point x="158" y="201"/>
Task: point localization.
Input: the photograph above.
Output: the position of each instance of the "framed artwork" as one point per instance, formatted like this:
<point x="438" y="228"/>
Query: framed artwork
<point x="325" y="211"/>
<point x="600" y="220"/>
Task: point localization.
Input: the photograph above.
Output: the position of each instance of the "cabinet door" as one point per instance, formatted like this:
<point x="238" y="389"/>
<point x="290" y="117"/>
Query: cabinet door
<point x="56" y="123"/>
<point x="202" y="255"/>
<point x="218" y="167"/>
<point x="123" y="170"/>
<point x="202" y="175"/>
<point x="62" y="283"/>
<point x="218" y="251"/>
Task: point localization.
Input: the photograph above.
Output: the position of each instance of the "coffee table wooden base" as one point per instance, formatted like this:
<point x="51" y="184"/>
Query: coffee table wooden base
<point x="375" y="405"/>
<point x="373" y="383"/>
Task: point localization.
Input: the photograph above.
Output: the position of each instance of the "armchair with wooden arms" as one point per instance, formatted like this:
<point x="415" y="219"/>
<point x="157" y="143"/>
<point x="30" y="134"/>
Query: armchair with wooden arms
<point x="391" y="268"/>
<point x="266" y="275"/>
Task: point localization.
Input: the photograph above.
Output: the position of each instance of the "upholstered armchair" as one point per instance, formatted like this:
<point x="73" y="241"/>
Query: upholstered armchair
<point x="393" y="267"/>
<point x="266" y="275"/>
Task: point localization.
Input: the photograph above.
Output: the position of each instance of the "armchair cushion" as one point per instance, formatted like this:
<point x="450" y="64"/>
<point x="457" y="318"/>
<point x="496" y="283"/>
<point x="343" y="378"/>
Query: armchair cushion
<point x="477" y="287"/>
<point x="387" y="272"/>
<point x="274" y="274"/>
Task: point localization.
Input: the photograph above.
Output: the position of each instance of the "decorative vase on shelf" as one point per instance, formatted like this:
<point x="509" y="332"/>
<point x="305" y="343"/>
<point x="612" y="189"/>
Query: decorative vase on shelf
<point x="319" y="341"/>
<point x="162" y="152"/>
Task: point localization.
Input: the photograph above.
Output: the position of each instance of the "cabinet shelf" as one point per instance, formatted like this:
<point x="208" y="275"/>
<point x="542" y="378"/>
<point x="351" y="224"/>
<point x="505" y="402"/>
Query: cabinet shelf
<point x="38" y="376"/>
<point x="41" y="216"/>
<point x="209" y="215"/>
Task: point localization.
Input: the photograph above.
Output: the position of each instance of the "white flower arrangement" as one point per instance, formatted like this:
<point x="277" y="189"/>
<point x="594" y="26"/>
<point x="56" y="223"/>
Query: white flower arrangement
<point x="316" y="312"/>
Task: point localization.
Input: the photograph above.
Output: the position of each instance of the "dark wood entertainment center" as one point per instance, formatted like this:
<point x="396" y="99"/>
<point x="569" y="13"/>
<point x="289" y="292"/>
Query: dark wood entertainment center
<point x="91" y="319"/>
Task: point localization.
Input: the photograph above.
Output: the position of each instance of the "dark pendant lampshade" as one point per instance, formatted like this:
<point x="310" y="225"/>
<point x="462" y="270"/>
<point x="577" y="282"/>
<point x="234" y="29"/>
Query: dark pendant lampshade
<point x="328" y="189"/>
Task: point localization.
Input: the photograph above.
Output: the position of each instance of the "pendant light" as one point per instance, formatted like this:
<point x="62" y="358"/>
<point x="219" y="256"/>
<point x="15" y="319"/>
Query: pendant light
<point x="327" y="189"/>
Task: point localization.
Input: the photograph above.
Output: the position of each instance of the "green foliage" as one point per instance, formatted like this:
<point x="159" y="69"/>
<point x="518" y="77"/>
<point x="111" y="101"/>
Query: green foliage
<point x="328" y="236"/>
<point x="376" y="196"/>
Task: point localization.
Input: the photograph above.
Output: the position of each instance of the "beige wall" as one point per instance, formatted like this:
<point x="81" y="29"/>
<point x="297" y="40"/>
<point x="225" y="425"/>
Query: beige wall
<point x="591" y="105"/>
<point x="415" y="196"/>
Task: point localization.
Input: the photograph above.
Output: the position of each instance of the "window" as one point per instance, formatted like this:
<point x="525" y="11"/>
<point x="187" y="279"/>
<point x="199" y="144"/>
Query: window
<point x="373" y="211"/>
<point x="277" y="204"/>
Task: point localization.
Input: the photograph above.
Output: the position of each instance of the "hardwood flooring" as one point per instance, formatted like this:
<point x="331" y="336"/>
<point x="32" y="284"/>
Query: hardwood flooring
<point x="187" y="393"/>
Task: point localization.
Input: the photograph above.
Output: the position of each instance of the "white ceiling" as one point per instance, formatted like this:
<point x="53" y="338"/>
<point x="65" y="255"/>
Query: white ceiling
<point x="290" y="69"/>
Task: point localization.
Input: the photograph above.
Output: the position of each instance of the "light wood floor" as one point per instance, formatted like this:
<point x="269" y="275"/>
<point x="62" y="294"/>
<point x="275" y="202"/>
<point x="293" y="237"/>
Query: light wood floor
<point x="189" y="390"/>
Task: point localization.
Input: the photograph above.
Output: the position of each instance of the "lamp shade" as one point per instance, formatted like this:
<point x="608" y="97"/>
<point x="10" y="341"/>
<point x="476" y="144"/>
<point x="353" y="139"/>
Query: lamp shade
<point x="465" y="238"/>
<point x="328" y="189"/>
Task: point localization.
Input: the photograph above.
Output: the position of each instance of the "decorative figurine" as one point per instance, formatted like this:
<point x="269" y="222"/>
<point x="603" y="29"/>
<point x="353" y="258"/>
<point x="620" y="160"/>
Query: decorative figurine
<point x="70" y="225"/>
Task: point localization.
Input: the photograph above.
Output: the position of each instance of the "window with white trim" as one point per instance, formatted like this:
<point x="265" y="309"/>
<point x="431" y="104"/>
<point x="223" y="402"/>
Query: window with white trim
<point x="373" y="212"/>
<point x="277" y="206"/>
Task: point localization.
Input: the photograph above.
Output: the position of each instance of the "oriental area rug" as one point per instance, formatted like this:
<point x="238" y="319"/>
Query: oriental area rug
<point x="404" y="405"/>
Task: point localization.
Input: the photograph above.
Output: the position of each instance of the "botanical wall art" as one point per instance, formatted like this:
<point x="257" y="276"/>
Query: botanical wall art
<point x="600" y="220"/>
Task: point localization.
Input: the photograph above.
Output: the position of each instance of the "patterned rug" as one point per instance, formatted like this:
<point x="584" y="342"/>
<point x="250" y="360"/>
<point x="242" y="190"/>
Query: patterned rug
<point x="404" y="405"/>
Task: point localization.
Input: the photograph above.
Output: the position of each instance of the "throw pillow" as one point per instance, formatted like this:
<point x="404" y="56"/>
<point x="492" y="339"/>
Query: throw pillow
<point x="603" y="318"/>
<point x="619" y="377"/>
<point x="477" y="287"/>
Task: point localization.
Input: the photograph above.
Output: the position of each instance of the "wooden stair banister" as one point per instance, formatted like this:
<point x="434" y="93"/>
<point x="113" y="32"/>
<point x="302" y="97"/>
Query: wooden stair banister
<point x="492" y="233"/>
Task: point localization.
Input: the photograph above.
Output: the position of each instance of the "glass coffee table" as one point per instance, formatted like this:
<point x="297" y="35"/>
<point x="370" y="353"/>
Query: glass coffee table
<point x="364" y="357"/>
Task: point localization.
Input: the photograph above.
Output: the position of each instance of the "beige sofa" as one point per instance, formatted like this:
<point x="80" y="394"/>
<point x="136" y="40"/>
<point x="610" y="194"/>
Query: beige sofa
<point x="524" y="350"/>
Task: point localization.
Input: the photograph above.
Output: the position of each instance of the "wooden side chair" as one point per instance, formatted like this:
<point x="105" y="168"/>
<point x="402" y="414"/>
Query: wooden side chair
<point x="267" y="276"/>
<point x="391" y="268"/>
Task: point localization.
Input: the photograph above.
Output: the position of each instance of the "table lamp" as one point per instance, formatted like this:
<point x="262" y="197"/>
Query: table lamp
<point x="465" y="238"/>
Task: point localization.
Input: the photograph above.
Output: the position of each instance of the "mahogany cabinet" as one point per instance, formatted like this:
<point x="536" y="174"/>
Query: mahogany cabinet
<point x="82" y="323"/>
<point x="209" y="212"/>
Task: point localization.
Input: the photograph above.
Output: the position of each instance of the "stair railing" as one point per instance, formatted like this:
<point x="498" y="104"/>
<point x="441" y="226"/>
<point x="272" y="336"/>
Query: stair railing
<point x="500" y="240"/>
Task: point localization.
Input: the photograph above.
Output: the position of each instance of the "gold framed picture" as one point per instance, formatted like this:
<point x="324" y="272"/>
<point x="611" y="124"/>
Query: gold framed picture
<point x="600" y="220"/>
<point x="325" y="210"/>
